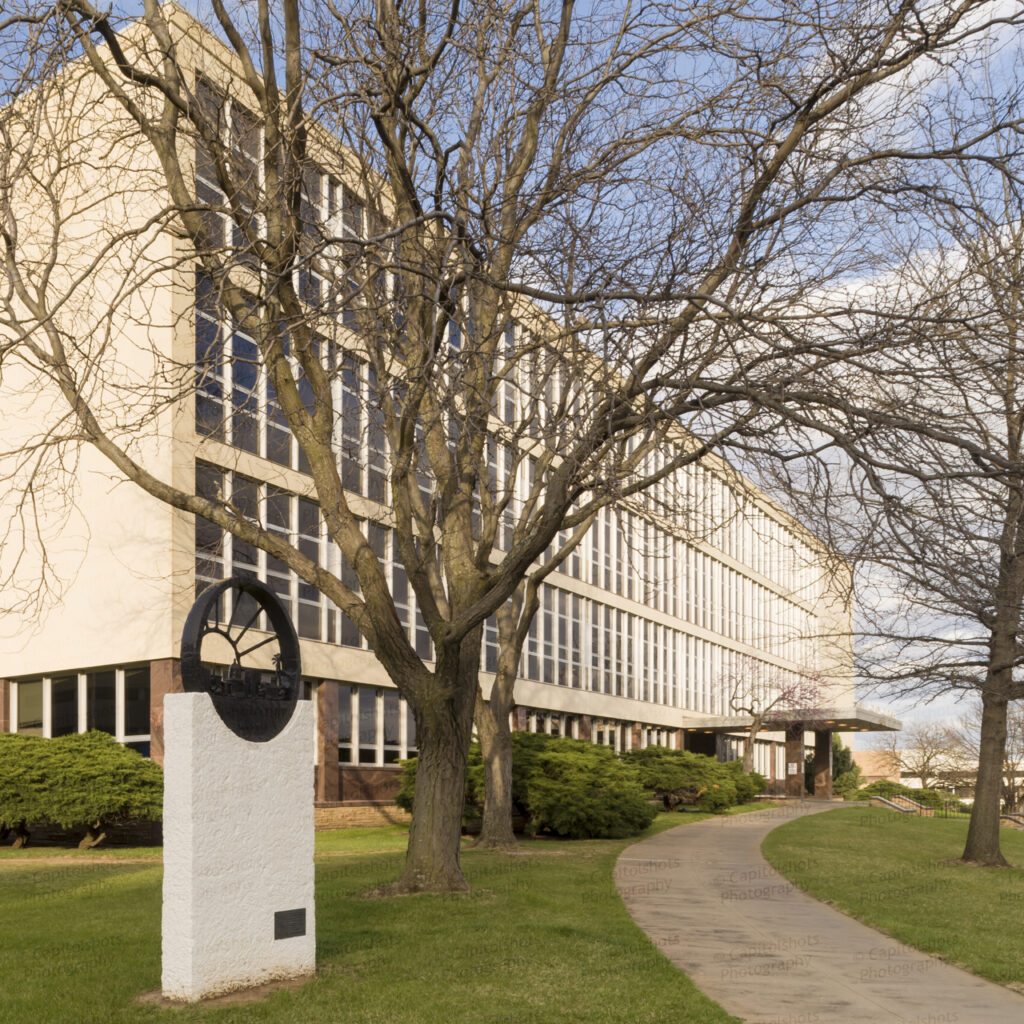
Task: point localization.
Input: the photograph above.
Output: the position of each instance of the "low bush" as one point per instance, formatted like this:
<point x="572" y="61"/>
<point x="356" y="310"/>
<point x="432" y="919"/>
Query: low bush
<point x="747" y="786"/>
<point x="934" y="798"/>
<point x="680" y="778"/>
<point x="586" y="792"/>
<point x="846" y="784"/>
<point x="84" y="780"/>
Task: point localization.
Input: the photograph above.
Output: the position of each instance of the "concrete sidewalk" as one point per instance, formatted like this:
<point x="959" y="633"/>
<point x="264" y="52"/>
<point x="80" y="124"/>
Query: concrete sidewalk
<point x="770" y="954"/>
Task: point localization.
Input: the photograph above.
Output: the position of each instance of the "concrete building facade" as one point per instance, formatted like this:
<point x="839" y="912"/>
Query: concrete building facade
<point x="643" y="637"/>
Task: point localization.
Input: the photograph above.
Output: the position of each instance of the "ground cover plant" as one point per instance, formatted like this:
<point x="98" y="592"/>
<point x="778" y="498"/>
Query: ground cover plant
<point x="898" y="873"/>
<point x="542" y="938"/>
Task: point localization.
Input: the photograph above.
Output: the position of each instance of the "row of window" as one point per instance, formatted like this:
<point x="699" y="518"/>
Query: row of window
<point x="605" y="732"/>
<point x="327" y="208"/>
<point x="114" y="700"/>
<point x="375" y="726"/>
<point x="769" y="757"/>
<point x="573" y="641"/>
<point x="624" y="553"/>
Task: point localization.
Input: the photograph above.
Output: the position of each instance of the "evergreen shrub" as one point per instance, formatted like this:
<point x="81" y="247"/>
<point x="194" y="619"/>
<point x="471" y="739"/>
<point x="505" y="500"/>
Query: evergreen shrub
<point x="680" y="778"/>
<point x="83" y="780"/>
<point x="560" y="786"/>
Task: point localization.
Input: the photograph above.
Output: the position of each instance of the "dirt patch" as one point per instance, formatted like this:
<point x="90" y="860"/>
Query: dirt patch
<point x="240" y="997"/>
<point x="22" y="862"/>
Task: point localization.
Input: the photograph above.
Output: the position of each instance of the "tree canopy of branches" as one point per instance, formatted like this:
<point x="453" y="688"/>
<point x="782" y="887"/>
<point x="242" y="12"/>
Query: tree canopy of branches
<point x="546" y="237"/>
<point x="772" y="699"/>
<point x="926" y="495"/>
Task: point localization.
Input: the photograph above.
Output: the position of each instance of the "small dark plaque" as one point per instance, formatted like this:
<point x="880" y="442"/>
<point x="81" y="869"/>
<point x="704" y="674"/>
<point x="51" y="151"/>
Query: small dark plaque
<point x="288" y="924"/>
<point x="252" y="703"/>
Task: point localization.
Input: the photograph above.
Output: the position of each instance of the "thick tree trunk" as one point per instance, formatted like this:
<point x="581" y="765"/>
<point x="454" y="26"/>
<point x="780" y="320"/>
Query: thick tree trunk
<point x="444" y="724"/>
<point x="495" y="734"/>
<point x="983" y="832"/>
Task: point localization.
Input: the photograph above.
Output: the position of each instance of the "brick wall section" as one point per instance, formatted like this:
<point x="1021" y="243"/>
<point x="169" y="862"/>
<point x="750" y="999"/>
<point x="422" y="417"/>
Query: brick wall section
<point x="369" y="785"/>
<point x="164" y="677"/>
<point x="335" y="815"/>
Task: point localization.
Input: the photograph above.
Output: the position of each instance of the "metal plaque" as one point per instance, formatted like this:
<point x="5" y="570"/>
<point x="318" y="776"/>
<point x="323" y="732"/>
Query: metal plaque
<point x="289" y="924"/>
<point x="252" y="702"/>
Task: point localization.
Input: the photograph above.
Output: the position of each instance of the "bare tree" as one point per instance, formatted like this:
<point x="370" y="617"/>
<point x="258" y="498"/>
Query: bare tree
<point x="965" y="751"/>
<point x="922" y="751"/>
<point x="917" y="469"/>
<point x="773" y="699"/>
<point x="590" y="214"/>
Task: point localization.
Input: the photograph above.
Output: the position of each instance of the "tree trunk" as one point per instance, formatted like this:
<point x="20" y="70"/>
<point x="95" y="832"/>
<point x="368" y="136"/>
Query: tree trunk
<point x="93" y="837"/>
<point x="492" y="722"/>
<point x="983" y="832"/>
<point x="444" y="724"/>
<point x="495" y="734"/>
<point x="748" y="748"/>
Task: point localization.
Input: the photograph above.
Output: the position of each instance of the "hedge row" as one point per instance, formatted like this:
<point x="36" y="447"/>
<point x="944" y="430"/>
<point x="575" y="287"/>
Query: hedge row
<point x="83" y="780"/>
<point x="579" y="790"/>
<point x="933" y="798"/>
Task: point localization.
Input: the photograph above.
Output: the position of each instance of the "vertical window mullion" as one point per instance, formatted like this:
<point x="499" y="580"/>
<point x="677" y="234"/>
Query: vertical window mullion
<point x="119" y="730"/>
<point x="83" y="711"/>
<point x="47" y="706"/>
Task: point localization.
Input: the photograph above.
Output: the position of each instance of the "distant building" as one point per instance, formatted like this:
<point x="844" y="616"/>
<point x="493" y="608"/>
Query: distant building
<point x="876" y="766"/>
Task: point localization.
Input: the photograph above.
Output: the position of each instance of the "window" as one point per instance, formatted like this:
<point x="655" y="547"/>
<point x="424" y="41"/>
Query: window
<point x="367" y="726"/>
<point x="345" y="695"/>
<point x="392" y="718"/>
<point x="100" y="702"/>
<point x="30" y="708"/>
<point x="490" y="658"/>
<point x="136" y="701"/>
<point x="112" y="700"/>
<point x="370" y="726"/>
<point x="64" y="705"/>
<point x="351" y="446"/>
<point x="309" y="622"/>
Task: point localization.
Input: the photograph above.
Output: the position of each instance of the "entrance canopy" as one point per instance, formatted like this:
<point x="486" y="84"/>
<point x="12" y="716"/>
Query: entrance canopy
<point x="796" y="724"/>
<point x="856" y="718"/>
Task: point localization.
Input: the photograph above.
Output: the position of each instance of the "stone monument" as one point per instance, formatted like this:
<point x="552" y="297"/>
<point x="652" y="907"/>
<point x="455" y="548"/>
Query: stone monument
<point x="238" y="899"/>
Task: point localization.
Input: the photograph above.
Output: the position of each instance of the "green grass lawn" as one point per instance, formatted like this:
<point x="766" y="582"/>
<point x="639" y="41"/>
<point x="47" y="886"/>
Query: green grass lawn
<point x="889" y="870"/>
<point x="543" y="938"/>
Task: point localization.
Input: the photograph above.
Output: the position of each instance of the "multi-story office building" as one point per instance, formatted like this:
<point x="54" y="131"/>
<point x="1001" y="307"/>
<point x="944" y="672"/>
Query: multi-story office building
<point x="669" y="608"/>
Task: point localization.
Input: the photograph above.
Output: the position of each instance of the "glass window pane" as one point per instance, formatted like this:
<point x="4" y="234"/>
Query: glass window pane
<point x="391" y="711"/>
<point x="309" y="621"/>
<point x="367" y="717"/>
<point x="367" y="726"/>
<point x="64" y="705"/>
<point x="136" y="701"/>
<point x="344" y="714"/>
<point x="100" y="712"/>
<point x="30" y="708"/>
<point x="410" y="731"/>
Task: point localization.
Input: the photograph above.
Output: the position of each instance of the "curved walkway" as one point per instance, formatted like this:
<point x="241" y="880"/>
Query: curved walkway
<point x="770" y="954"/>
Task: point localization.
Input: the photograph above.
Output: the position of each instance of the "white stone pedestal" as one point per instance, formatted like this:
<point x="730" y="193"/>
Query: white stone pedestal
<point x="238" y="852"/>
